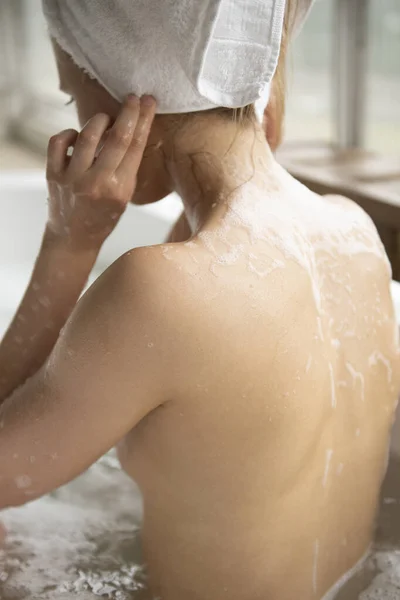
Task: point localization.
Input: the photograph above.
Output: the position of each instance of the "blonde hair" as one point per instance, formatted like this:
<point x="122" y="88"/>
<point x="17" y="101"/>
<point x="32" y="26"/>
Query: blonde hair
<point x="278" y="95"/>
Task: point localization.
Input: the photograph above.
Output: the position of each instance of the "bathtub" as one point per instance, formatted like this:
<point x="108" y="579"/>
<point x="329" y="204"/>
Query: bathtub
<point x="66" y="529"/>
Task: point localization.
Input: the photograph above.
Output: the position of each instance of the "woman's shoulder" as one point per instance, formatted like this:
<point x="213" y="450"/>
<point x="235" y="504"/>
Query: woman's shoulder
<point x="152" y="278"/>
<point x="348" y="211"/>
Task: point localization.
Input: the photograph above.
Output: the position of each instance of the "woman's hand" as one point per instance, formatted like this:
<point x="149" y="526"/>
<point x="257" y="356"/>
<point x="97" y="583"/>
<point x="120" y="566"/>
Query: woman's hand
<point x="90" y="189"/>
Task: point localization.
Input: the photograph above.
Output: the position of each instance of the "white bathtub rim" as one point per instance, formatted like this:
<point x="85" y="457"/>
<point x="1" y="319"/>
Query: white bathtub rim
<point x="34" y="180"/>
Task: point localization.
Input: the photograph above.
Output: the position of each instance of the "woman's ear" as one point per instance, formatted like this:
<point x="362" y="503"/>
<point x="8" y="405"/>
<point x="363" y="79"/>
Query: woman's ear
<point x="273" y="120"/>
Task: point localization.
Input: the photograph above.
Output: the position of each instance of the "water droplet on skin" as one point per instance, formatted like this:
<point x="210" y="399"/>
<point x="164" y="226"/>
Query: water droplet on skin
<point x="212" y="270"/>
<point x="44" y="301"/>
<point x="32" y="459"/>
<point x="150" y="345"/>
<point x="23" y="481"/>
<point x="165" y="253"/>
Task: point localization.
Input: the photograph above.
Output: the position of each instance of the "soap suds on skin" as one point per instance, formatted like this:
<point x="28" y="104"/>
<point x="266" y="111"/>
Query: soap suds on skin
<point x="329" y="454"/>
<point x="377" y="357"/>
<point x="315" y="567"/>
<point x="333" y="387"/>
<point x="357" y="376"/>
<point x="291" y="232"/>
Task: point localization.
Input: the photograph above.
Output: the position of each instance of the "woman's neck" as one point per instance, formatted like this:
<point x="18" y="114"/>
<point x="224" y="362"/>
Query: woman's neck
<point x="209" y="158"/>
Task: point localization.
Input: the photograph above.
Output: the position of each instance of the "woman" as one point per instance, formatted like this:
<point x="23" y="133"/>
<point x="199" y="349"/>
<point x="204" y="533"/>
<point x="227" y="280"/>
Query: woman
<point x="247" y="372"/>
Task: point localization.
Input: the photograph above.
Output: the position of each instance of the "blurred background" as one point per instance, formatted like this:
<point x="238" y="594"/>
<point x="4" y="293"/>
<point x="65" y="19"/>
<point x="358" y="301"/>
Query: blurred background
<point x="343" y="111"/>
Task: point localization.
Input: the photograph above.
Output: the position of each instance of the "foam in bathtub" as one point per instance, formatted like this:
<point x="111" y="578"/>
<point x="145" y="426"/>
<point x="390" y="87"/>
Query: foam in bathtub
<point x="386" y="584"/>
<point x="80" y="542"/>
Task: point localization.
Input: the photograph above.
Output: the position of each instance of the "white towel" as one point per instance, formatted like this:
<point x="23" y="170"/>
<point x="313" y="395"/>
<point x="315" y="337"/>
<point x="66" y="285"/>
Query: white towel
<point x="189" y="54"/>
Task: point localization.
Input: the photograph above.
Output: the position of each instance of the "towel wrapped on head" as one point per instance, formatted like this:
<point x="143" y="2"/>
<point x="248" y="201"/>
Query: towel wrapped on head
<point x="191" y="55"/>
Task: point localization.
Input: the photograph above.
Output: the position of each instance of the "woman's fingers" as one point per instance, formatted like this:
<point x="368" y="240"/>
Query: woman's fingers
<point x="123" y="146"/>
<point x="133" y="156"/>
<point x="119" y="137"/>
<point x="87" y="144"/>
<point x="57" y="151"/>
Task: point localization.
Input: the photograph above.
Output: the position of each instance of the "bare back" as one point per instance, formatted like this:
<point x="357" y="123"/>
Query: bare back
<point x="262" y="468"/>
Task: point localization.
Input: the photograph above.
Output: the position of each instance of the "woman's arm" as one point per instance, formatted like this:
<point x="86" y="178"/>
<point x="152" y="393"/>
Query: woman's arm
<point x="59" y="276"/>
<point x="86" y="198"/>
<point x="100" y="380"/>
